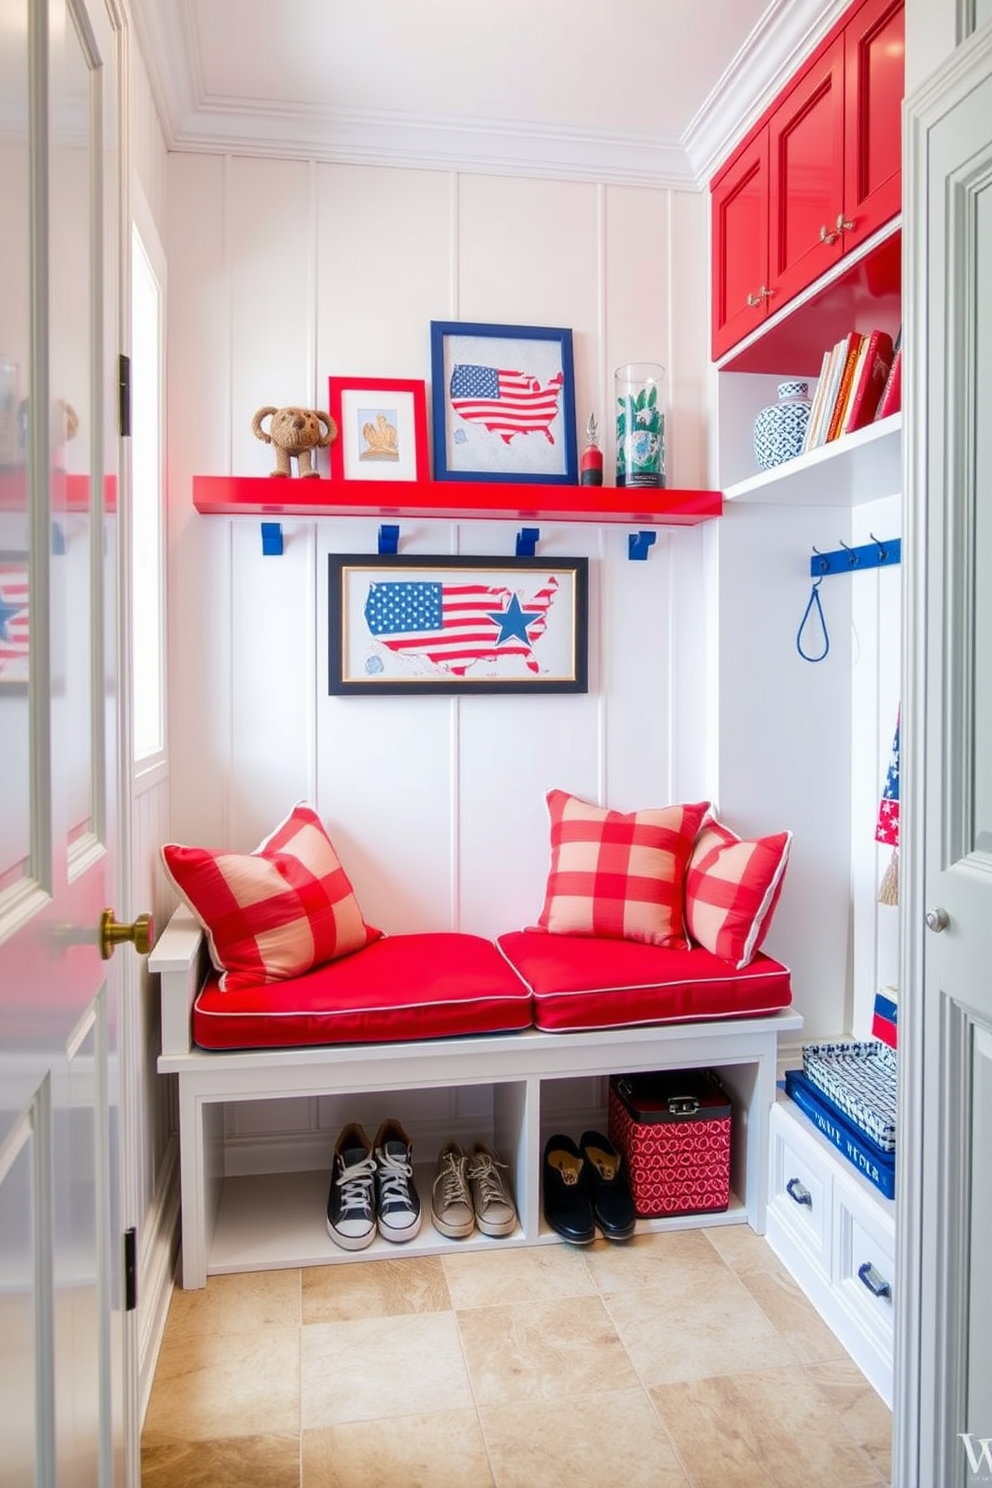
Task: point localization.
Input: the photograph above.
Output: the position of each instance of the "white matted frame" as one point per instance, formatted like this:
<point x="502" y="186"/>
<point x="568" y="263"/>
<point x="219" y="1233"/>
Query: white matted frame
<point x="503" y="403"/>
<point x="382" y="429"/>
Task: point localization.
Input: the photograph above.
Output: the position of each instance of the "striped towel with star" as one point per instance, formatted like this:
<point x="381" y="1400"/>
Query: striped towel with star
<point x="887" y="826"/>
<point x="505" y="403"/>
<point x="457" y="625"/>
<point x="14" y="622"/>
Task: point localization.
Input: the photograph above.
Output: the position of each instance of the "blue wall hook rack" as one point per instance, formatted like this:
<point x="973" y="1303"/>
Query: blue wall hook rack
<point x="527" y="541"/>
<point x="848" y="560"/>
<point x="638" y="544"/>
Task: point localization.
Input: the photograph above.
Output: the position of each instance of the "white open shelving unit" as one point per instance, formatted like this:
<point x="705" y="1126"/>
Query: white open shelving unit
<point x="858" y="468"/>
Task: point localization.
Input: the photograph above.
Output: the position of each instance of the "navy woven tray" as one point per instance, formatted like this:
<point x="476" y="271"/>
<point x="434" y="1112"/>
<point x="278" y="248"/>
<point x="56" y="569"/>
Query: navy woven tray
<point x="860" y="1079"/>
<point x="875" y="1164"/>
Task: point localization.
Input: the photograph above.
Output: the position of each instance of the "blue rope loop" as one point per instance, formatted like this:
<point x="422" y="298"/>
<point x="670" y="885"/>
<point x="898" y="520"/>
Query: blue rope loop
<point x="813" y="602"/>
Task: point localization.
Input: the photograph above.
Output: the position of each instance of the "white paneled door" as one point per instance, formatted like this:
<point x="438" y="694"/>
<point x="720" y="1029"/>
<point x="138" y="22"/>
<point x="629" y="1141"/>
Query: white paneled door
<point x="61" y="1246"/>
<point x="944" y="1400"/>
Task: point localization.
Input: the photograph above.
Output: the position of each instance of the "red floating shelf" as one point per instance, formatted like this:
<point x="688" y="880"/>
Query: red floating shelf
<point x="236" y="495"/>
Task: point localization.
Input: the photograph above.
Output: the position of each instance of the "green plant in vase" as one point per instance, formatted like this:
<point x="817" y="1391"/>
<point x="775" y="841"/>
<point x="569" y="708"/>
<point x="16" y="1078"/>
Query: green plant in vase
<point x="640" y="427"/>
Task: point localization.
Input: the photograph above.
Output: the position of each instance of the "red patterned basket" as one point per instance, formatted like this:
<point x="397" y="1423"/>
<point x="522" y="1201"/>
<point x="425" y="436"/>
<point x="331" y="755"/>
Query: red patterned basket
<point x="673" y="1129"/>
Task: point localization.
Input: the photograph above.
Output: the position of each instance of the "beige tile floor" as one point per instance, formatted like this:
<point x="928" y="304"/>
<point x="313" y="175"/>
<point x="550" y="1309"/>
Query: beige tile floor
<point x="683" y="1360"/>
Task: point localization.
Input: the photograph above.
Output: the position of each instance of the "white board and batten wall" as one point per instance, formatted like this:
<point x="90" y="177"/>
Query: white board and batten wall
<point x="283" y="272"/>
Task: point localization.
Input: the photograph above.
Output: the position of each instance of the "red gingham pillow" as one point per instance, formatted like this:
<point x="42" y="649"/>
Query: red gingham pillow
<point x="619" y="874"/>
<point x="276" y="912"/>
<point x="732" y="888"/>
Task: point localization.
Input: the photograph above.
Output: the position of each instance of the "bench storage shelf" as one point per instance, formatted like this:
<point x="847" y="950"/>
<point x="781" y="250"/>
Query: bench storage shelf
<point x="235" y="1221"/>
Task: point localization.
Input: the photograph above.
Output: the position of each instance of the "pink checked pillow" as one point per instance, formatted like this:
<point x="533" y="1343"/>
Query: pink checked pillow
<point x="732" y="888"/>
<point x="276" y="912"/>
<point x="619" y="874"/>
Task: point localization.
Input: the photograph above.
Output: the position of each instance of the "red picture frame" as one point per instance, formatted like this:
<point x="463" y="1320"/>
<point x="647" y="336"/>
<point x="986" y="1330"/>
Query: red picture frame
<point x="382" y="428"/>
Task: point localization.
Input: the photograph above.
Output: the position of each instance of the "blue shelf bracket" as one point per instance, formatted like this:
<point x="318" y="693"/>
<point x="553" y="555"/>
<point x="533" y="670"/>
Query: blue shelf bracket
<point x="389" y="537"/>
<point x="272" y="539"/>
<point x="527" y="541"/>
<point x="844" y="559"/>
<point x="638" y="544"/>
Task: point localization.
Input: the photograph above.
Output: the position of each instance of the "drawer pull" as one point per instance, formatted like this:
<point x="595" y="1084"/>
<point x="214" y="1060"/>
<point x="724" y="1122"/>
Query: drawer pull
<point x="797" y="1191"/>
<point x="874" y="1280"/>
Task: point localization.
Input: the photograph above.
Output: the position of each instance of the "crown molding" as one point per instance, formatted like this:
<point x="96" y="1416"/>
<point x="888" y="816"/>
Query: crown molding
<point x="416" y="141"/>
<point x="784" y="37"/>
<point x="193" y="121"/>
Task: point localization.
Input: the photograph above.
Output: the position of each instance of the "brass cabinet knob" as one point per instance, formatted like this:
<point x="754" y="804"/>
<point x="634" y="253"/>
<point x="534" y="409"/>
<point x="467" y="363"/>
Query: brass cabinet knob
<point x="141" y="934"/>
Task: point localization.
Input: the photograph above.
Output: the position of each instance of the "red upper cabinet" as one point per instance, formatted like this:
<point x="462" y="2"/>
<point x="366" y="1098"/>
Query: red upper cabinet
<point x="874" y="45"/>
<point x="806" y="178"/>
<point x="827" y="158"/>
<point x="740" y="217"/>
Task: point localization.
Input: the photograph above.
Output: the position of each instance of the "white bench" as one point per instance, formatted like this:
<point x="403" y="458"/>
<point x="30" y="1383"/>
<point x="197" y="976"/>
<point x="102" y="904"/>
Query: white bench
<point x="238" y="1222"/>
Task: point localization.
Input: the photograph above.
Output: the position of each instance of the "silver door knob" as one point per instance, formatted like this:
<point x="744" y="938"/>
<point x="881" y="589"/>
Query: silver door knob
<point x="937" y="920"/>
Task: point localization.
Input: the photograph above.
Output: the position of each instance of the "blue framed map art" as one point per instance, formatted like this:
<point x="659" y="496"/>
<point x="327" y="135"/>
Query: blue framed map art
<point x="402" y="623"/>
<point x="503" y="403"/>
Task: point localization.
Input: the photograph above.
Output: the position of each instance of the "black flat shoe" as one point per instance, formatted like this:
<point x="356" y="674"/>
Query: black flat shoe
<point x="605" y="1178"/>
<point x="567" y="1207"/>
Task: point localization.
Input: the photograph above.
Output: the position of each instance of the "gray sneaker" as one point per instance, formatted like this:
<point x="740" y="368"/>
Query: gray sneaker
<point x="398" y="1203"/>
<point x="451" y="1201"/>
<point x="495" y="1212"/>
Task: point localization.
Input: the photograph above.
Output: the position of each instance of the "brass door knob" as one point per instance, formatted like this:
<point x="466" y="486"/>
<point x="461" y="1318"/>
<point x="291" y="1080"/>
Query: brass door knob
<point x="141" y="934"/>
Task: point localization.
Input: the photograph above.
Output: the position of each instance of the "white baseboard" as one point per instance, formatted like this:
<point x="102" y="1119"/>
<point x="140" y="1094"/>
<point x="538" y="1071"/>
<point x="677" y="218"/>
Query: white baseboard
<point x="158" y="1249"/>
<point x="790" y="1057"/>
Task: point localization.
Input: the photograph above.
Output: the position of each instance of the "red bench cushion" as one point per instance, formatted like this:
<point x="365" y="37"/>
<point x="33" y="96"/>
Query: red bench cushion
<point x="400" y="987"/>
<point x="585" y="982"/>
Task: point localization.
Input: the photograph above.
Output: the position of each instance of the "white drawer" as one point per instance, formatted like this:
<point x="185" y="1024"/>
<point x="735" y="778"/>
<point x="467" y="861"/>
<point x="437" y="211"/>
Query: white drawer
<point x="864" y="1268"/>
<point x="800" y="1186"/>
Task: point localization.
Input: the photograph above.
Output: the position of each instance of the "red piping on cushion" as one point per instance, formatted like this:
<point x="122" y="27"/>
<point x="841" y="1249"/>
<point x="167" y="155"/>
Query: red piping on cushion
<point x="351" y="1012"/>
<point x="644" y="1022"/>
<point x="732" y="974"/>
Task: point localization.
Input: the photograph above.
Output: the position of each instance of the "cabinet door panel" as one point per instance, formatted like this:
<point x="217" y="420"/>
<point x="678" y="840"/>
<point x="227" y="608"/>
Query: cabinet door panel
<point x="874" y="63"/>
<point x="740" y="246"/>
<point x="806" y="177"/>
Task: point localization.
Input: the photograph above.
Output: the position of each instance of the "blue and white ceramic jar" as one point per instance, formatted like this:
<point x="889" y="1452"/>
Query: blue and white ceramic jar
<point x="780" y="429"/>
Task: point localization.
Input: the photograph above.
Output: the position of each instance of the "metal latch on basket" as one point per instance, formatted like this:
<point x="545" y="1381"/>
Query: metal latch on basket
<point x="683" y="1105"/>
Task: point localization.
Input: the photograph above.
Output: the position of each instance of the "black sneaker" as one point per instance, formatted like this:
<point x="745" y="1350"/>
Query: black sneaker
<point x="351" y="1201"/>
<point x="398" y="1201"/>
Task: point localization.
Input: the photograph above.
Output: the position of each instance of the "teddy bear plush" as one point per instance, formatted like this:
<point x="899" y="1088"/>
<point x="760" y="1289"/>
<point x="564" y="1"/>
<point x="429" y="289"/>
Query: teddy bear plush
<point x="295" y="433"/>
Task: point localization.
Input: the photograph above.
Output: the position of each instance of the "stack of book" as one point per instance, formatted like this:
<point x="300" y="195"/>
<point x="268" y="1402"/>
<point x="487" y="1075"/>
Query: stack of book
<point x="860" y="381"/>
<point x="848" y="1091"/>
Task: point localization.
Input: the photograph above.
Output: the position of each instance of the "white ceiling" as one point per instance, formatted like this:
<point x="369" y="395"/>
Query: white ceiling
<point x="645" y="92"/>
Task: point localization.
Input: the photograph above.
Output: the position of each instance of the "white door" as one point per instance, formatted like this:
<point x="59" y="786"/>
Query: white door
<point x="61" y="1250"/>
<point x="944" y="1337"/>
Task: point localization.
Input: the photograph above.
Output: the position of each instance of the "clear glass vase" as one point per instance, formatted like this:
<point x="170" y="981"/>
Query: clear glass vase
<point x="641" y="418"/>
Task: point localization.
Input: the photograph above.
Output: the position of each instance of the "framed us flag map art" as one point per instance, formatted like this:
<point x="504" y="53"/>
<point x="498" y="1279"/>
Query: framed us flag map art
<point x="503" y="403"/>
<point x="401" y="623"/>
